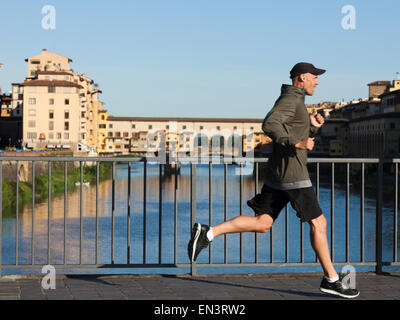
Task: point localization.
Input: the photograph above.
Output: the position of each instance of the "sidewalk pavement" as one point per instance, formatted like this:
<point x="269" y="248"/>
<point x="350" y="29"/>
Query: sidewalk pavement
<point x="200" y="287"/>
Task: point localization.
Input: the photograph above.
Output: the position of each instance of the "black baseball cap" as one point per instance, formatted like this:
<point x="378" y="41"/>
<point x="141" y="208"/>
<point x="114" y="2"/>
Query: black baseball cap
<point x="304" y="67"/>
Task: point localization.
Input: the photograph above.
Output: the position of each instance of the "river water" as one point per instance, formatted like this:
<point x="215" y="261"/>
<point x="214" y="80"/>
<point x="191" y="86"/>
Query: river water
<point x="72" y="253"/>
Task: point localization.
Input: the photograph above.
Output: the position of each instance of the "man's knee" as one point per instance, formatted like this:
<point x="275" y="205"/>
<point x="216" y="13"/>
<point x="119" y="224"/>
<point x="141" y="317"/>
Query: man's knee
<point x="319" y="224"/>
<point x="264" y="223"/>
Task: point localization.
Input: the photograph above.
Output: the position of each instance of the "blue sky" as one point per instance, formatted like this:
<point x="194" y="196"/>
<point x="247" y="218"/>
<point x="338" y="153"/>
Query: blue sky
<point x="205" y="58"/>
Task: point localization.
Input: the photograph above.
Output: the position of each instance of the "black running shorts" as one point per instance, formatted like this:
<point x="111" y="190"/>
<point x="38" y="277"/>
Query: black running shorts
<point x="271" y="201"/>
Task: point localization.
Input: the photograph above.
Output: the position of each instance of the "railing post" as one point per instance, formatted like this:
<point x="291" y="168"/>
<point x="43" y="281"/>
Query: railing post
<point x="193" y="270"/>
<point x="378" y="233"/>
<point x="1" y="212"/>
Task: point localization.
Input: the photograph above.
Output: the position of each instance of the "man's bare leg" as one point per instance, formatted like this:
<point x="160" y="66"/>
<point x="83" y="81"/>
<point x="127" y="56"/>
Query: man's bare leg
<point x="261" y="223"/>
<point x="319" y="242"/>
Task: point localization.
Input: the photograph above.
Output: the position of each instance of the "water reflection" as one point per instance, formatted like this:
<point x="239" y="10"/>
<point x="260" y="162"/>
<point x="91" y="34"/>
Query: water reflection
<point x="66" y="218"/>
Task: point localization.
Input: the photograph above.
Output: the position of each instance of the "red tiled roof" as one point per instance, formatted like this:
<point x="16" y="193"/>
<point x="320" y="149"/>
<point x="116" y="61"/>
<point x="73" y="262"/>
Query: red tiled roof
<point x="64" y="73"/>
<point x="49" y="83"/>
<point x="379" y="83"/>
<point x="387" y="93"/>
<point x="163" y="119"/>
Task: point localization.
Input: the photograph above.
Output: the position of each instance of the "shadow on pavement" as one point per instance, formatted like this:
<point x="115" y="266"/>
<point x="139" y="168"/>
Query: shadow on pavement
<point x="91" y="278"/>
<point x="293" y="292"/>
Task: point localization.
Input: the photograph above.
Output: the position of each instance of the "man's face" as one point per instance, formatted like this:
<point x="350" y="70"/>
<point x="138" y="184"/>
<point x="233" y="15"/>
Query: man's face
<point x="310" y="81"/>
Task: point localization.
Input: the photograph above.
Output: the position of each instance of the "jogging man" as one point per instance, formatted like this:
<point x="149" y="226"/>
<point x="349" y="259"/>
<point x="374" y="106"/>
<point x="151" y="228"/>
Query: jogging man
<point x="292" y="131"/>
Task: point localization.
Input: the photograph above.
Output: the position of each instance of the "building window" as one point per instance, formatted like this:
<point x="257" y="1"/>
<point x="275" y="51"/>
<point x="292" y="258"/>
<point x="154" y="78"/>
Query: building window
<point x="66" y="136"/>
<point x="118" y="134"/>
<point x="110" y="126"/>
<point x="51" y="101"/>
<point x="126" y="134"/>
<point x="32" y="100"/>
<point x="133" y="126"/>
<point x="183" y="127"/>
<point x="51" y="114"/>
<point x="51" y="125"/>
<point x="35" y="61"/>
<point x="66" y="114"/>
<point x="103" y="117"/>
<point x="58" y="135"/>
<point x="51" y="135"/>
<point x="31" y="124"/>
<point x="150" y="126"/>
<point x="66" y="125"/>
<point x="201" y="127"/>
<point x="32" y="112"/>
<point x="51" y="89"/>
<point x="110" y="134"/>
<point x="218" y="128"/>
<point x="32" y="135"/>
<point x="392" y="125"/>
<point x="66" y="101"/>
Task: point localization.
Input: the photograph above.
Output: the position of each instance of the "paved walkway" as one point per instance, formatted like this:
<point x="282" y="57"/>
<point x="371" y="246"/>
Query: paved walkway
<point x="201" y="287"/>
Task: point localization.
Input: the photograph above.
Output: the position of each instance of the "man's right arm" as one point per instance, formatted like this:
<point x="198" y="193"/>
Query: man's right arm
<point x="305" y="143"/>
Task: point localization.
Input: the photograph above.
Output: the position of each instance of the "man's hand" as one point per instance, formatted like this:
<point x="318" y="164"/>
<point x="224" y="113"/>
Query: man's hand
<point x="317" y="120"/>
<point x="306" y="143"/>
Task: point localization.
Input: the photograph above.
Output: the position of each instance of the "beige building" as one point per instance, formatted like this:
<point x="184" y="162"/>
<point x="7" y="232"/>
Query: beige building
<point x="59" y="107"/>
<point x="183" y="135"/>
<point x="390" y="101"/>
<point x="47" y="61"/>
<point x="331" y="139"/>
<point x="375" y="136"/>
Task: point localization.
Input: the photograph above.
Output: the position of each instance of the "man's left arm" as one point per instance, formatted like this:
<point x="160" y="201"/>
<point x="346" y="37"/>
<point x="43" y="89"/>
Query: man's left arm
<point x="316" y="122"/>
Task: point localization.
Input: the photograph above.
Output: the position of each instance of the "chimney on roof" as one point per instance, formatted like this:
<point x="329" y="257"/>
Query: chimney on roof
<point x="376" y="88"/>
<point x="44" y="50"/>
